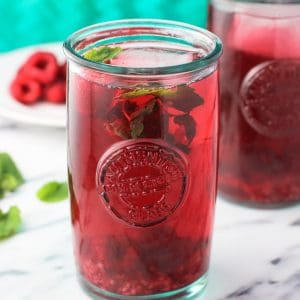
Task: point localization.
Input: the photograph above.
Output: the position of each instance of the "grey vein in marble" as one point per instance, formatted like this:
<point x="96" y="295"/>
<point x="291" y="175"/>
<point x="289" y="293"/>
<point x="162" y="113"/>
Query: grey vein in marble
<point x="296" y="223"/>
<point x="245" y="223"/>
<point x="13" y="272"/>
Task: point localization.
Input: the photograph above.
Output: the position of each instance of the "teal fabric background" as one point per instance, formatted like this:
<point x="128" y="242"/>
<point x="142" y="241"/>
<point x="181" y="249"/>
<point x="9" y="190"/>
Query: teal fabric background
<point x="26" y="22"/>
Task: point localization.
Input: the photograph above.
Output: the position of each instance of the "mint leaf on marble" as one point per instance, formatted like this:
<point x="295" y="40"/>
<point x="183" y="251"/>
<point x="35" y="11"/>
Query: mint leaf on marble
<point x="10" y="176"/>
<point x="53" y="192"/>
<point x="10" y="222"/>
<point x="9" y="182"/>
<point x="102" y="54"/>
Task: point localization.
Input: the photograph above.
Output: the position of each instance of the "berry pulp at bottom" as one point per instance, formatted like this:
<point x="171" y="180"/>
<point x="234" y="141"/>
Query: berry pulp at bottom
<point x="260" y="105"/>
<point x="142" y="174"/>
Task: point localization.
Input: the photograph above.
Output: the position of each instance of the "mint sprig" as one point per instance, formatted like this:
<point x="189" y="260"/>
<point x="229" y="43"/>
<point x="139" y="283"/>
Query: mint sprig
<point x="102" y="54"/>
<point x="53" y="191"/>
<point x="10" y="222"/>
<point x="156" y="112"/>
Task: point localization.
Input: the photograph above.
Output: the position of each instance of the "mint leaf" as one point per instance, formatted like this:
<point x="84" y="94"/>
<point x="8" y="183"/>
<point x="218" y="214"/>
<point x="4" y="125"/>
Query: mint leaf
<point x="189" y="125"/>
<point x="53" y="192"/>
<point x="145" y="112"/>
<point x="9" y="182"/>
<point x="148" y="109"/>
<point x="10" y="176"/>
<point x="118" y="127"/>
<point x="102" y="54"/>
<point x="185" y="99"/>
<point x="137" y="124"/>
<point x="10" y="222"/>
<point x="148" y="91"/>
<point x="7" y="165"/>
<point x="137" y="127"/>
<point x="116" y="123"/>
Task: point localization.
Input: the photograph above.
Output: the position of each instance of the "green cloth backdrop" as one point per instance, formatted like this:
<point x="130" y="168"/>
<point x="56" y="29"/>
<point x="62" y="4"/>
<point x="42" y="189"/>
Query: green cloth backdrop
<point x="26" y="22"/>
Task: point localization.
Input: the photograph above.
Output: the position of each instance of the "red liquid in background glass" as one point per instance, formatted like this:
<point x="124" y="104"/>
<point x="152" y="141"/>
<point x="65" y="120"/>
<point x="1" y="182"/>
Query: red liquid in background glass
<point x="166" y="248"/>
<point x="260" y="107"/>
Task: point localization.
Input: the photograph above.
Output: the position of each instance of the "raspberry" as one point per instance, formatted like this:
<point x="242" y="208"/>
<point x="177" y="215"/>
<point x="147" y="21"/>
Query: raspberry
<point x="56" y="92"/>
<point x="26" y="90"/>
<point x="41" y="66"/>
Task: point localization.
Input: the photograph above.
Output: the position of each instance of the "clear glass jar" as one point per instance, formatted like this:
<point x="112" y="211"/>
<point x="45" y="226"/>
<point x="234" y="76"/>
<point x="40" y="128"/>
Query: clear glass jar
<point x="260" y="100"/>
<point x="142" y="153"/>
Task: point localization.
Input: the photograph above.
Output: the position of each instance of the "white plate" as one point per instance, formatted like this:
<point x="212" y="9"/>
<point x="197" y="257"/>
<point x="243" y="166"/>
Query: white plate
<point x="43" y="113"/>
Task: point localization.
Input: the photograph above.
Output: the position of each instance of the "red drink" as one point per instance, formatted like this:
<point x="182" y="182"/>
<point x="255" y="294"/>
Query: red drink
<point x="260" y="101"/>
<point x="142" y="172"/>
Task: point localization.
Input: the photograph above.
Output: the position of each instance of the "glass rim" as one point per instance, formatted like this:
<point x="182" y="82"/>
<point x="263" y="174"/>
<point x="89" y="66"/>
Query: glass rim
<point x="287" y="9"/>
<point x="200" y="63"/>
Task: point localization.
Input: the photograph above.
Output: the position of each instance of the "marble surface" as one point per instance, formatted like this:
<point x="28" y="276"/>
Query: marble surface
<point x="255" y="255"/>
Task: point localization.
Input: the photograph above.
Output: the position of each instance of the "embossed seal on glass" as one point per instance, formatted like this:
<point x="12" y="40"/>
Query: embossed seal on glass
<point x="270" y="99"/>
<point x="142" y="183"/>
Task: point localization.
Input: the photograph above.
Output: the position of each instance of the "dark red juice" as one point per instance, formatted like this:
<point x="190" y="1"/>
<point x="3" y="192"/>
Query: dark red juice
<point x="260" y="102"/>
<point x="142" y="173"/>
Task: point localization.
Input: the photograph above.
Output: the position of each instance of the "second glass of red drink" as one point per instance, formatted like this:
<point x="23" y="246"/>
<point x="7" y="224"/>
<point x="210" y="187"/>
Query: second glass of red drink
<point x="260" y="100"/>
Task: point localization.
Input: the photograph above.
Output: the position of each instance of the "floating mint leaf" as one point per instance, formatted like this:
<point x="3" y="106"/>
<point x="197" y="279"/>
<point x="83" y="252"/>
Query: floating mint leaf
<point x="189" y="125"/>
<point x="102" y="54"/>
<point x="185" y="99"/>
<point x="148" y="91"/>
<point x="127" y="119"/>
<point x="137" y="124"/>
<point x="53" y="192"/>
<point x="181" y="131"/>
<point x="119" y="127"/>
<point x="116" y="123"/>
<point x="10" y="222"/>
<point x="137" y="127"/>
<point x="148" y="109"/>
<point x="115" y="113"/>
<point x="146" y="112"/>
<point x="129" y="107"/>
<point x="132" y="108"/>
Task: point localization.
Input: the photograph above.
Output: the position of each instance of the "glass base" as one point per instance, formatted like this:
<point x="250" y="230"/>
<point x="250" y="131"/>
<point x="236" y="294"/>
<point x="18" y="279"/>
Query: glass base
<point x="191" y="291"/>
